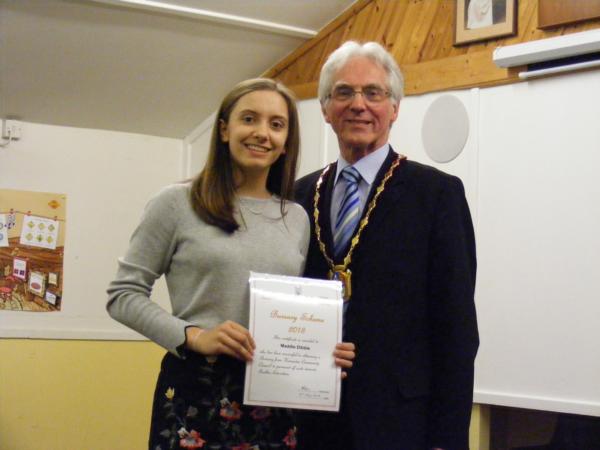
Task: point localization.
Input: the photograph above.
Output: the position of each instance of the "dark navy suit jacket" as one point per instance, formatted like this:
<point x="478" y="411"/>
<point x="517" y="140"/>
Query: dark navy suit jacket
<point x="412" y="313"/>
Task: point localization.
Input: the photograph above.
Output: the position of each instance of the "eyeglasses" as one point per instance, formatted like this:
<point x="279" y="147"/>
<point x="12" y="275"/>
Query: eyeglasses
<point x="371" y="94"/>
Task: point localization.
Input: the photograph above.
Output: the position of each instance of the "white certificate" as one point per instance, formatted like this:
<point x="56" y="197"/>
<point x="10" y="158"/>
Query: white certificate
<point x="296" y="323"/>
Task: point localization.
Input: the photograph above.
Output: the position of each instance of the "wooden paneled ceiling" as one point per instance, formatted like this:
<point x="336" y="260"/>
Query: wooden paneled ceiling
<point x="420" y="35"/>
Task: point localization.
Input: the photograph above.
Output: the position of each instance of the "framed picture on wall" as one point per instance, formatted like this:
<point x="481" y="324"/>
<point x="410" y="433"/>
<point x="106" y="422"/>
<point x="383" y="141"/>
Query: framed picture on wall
<point x="554" y="13"/>
<point x="479" y="20"/>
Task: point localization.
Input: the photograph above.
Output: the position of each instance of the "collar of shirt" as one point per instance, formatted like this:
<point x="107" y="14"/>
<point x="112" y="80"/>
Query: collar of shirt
<point x="367" y="166"/>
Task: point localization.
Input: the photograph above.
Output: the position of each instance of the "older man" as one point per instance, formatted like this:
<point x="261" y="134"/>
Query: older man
<point x="399" y="235"/>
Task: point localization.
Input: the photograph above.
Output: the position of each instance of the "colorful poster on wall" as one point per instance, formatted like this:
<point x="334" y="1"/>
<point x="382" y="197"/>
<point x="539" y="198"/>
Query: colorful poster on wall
<point x="32" y="237"/>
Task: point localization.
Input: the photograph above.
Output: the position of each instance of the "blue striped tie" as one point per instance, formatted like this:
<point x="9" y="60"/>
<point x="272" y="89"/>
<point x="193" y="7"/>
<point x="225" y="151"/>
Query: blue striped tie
<point x="349" y="213"/>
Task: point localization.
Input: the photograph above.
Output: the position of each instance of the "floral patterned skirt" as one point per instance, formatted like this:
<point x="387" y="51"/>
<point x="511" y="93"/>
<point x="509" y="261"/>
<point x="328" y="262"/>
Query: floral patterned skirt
<point x="198" y="404"/>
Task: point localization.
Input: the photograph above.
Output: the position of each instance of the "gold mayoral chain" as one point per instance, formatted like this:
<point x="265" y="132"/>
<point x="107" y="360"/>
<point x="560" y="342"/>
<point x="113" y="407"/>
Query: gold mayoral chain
<point x="342" y="272"/>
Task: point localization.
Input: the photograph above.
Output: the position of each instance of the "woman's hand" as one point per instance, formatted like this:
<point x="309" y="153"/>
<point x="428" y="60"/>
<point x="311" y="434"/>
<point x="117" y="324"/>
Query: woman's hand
<point x="344" y="354"/>
<point x="228" y="338"/>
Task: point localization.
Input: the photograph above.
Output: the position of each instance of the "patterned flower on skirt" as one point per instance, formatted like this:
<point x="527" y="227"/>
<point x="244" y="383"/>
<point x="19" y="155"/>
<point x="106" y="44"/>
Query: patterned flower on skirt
<point x="198" y="405"/>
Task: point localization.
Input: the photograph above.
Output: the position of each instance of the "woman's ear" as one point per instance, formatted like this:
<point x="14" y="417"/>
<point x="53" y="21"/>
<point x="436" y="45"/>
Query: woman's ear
<point x="223" y="131"/>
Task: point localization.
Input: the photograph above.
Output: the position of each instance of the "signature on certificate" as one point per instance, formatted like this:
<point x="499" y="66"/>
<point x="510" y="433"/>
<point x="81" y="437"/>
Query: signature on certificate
<point x="316" y="394"/>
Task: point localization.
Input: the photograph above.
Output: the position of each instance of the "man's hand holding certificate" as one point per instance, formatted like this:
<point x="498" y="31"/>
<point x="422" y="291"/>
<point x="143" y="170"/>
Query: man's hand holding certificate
<point x="296" y="323"/>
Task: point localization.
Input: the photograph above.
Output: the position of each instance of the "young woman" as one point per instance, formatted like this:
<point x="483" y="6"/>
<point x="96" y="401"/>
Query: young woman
<point x="205" y="237"/>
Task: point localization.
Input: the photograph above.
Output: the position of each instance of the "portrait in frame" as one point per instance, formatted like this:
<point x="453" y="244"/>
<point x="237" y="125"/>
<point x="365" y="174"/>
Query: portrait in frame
<point x="479" y="20"/>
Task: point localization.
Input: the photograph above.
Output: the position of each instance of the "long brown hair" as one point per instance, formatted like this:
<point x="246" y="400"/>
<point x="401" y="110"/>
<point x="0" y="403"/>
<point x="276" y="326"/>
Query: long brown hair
<point x="213" y="189"/>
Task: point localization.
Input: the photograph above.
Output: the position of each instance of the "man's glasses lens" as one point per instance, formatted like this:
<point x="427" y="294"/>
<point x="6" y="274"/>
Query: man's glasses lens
<point x="373" y="94"/>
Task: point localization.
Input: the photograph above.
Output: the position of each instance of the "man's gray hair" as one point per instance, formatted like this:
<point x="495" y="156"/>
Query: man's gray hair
<point x="371" y="50"/>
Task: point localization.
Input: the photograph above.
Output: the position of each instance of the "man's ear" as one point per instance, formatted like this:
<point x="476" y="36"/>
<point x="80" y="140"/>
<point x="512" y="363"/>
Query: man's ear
<point x="223" y="131"/>
<point x="396" y="107"/>
<point x="324" y="111"/>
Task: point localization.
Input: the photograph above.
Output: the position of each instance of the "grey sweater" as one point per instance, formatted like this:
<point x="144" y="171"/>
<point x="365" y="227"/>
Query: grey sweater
<point x="206" y="269"/>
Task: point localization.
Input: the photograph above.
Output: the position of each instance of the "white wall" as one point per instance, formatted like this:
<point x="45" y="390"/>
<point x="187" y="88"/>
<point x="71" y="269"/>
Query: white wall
<point x="107" y="178"/>
<point x="538" y="239"/>
<point x="195" y="146"/>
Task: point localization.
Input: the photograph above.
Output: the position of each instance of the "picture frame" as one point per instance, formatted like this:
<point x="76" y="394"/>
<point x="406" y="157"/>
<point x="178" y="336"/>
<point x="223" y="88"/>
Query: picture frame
<point x="37" y="283"/>
<point x="480" y="20"/>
